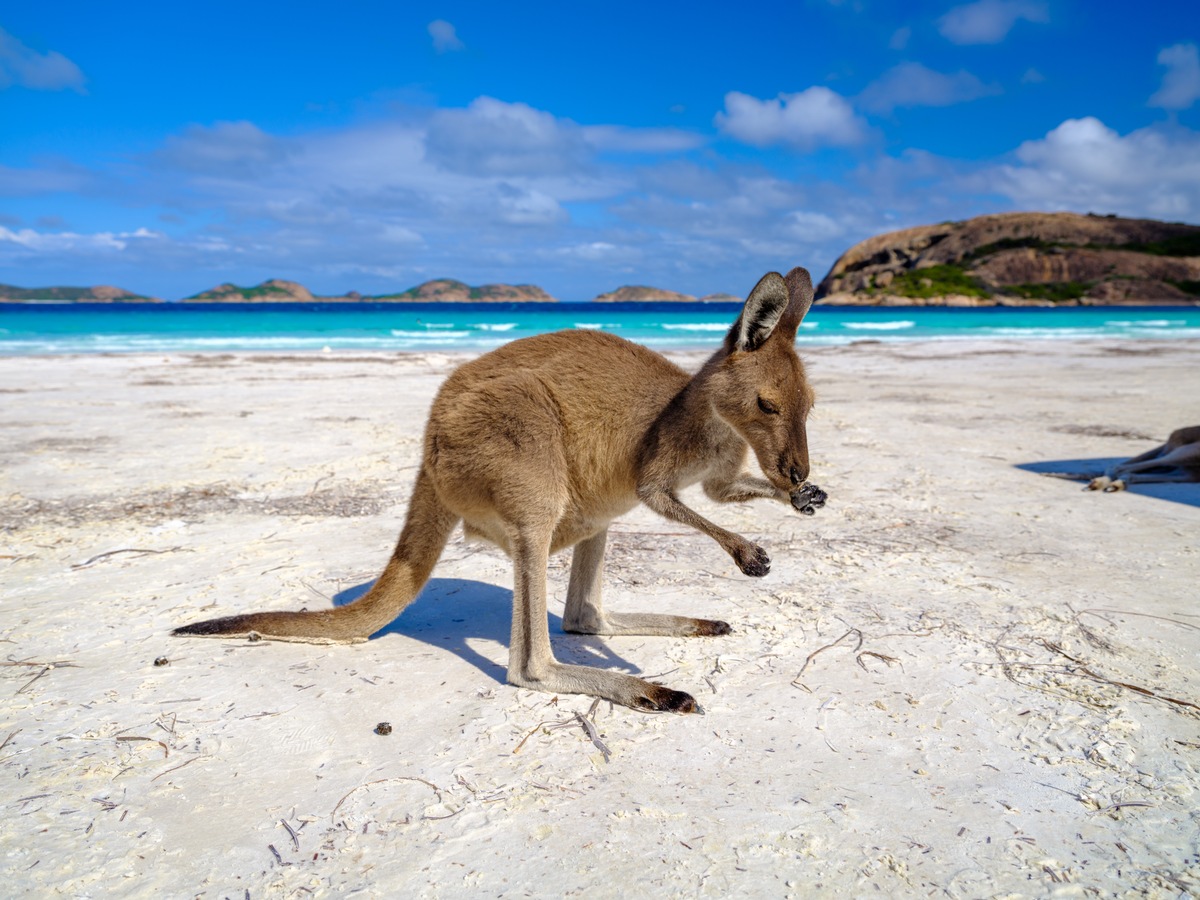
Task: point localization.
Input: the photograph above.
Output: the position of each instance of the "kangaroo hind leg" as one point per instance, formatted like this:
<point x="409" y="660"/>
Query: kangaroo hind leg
<point x="531" y="662"/>
<point x="585" y="613"/>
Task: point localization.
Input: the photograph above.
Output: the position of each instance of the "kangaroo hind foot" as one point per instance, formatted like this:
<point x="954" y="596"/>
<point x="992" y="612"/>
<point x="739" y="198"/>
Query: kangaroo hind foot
<point x="626" y="690"/>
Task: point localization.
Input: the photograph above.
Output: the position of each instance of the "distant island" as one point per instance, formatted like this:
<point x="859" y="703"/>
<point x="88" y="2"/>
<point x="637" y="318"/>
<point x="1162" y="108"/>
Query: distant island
<point x="1007" y="259"/>
<point x="638" y="293"/>
<point x="441" y="290"/>
<point x="1013" y="259"/>
<point x="99" y="294"/>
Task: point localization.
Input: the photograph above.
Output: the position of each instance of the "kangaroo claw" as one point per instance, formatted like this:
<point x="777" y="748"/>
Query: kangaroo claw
<point x="753" y="561"/>
<point x="809" y="499"/>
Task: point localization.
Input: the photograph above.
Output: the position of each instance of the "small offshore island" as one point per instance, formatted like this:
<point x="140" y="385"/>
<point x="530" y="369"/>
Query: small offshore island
<point x="1007" y="259"/>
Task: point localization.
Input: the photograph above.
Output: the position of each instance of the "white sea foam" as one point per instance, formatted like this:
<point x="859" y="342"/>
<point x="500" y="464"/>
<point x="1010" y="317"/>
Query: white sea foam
<point x="496" y="326"/>
<point x="429" y="335"/>
<point x="697" y="326"/>
<point x="1147" y="323"/>
<point x="880" y="326"/>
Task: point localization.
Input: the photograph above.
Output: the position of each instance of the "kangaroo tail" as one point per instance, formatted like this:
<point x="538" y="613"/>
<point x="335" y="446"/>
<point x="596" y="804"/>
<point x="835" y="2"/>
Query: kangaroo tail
<point x="425" y="533"/>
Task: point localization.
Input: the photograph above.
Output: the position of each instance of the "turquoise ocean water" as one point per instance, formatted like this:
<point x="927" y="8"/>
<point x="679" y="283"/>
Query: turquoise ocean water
<point x="99" y="328"/>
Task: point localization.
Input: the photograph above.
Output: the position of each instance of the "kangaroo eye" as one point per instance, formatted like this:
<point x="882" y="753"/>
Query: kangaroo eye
<point x="768" y="407"/>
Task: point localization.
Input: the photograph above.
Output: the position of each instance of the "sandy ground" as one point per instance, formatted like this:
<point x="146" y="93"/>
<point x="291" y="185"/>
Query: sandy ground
<point x="961" y="678"/>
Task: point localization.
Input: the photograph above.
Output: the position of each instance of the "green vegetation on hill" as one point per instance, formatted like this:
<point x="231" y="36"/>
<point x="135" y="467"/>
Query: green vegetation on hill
<point x="936" y="281"/>
<point x="247" y="293"/>
<point x="446" y="285"/>
<point x="1055" y="291"/>
<point x="1188" y="287"/>
<point x="1179" y="245"/>
<point x="262" y="290"/>
<point x="1032" y="243"/>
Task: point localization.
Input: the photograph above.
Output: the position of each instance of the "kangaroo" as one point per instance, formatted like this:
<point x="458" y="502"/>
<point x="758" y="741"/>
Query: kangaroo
<point x="538" y="445"/>
<point x="1176" y="460"/>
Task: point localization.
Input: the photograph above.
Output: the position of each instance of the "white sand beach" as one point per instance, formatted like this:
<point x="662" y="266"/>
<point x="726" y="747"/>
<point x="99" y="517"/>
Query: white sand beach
<point x="961" y="678"/>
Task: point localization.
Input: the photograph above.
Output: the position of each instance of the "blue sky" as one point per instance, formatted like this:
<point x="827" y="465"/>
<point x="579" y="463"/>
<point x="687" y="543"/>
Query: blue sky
<point x="578" y="146"/>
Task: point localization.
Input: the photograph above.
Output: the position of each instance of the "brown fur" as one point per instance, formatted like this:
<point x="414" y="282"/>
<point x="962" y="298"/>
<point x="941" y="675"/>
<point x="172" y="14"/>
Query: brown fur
<point x="540" y="444"/>
<point x="1176" y="460"/>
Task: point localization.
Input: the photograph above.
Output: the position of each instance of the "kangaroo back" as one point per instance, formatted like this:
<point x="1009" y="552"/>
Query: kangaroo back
<point x="426" y="530"/>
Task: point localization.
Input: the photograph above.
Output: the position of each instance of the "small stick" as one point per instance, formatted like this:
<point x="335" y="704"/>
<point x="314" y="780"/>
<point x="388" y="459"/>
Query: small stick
<point x="11" y="735"/>
<point x="1126" y="803"/>
<point x="138" y="550"/>
<point x="1124" y="612"/>
<point x="886" y="659"/>
<point x="175" y="768"/>
<point x="295" y="837"/>
<point x="25" y="686"/>
<point x="593" y="734"/>
<point x="428" y="784"/>
<point x="535" y="730"/>
<point x="820" y="650"/>
<point x="166" y="752"/>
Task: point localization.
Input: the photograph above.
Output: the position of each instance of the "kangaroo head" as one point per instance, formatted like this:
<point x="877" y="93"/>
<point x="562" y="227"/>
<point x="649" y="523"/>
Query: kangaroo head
<point x="758" y="386"/>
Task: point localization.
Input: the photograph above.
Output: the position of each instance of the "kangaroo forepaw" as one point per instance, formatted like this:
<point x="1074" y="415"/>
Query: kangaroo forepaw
<point x="1099" y="483"/>
<point x="809" y="499"/>
<point x="1116" y="484"/>
<point x="662" y="699"/>
<point x="752" y="560"/>
<point x="711" y="628"/>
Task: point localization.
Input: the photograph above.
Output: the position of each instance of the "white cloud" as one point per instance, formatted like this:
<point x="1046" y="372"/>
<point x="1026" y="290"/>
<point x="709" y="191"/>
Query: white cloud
<point x="1181" y="85"/>
<point x="811" y="118"/>
<point x="989" y="21"/>
<point x="39" y="242"/>
<point x="494" y="137"/>
<point x="814" y="227"/>
<point x="641" y="140"/>
<point x="912" y="84"/>
<point x="900" y="38"/>
<point x="24" y="67"/>
<point x="224" y="148"/>
<point x="1085" y="165"/>
<point x="445" y="38"/>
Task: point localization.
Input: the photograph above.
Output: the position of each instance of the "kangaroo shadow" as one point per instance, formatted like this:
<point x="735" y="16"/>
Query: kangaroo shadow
<point x="450" y="613"/>
<point x="1084" y="470"/>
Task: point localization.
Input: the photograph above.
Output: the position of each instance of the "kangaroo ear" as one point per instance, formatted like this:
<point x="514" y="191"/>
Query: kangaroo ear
<point x="800" y="299"/>
<point x="760" y="315"/>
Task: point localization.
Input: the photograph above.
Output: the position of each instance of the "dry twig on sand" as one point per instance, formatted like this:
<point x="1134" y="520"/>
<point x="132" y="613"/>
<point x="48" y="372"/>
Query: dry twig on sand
<point x="586" y="720"/>
<point x="138" y="550"/>
<point x="428" y="784"/>
<point x="47" y="667"/>
<point x="807" y="662"/>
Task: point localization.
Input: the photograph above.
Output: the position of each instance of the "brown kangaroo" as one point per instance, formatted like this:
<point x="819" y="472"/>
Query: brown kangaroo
<point x="540" y="444"/>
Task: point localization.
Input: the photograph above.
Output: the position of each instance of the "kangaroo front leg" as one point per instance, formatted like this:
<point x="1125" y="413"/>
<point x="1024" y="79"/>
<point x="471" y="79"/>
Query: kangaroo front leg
<point x="531" y="662"/>
<point x="585" y="612"/>
<point x="743" y="488"/>
<point x="750" y="558"/>
<point x="807" y="498"/>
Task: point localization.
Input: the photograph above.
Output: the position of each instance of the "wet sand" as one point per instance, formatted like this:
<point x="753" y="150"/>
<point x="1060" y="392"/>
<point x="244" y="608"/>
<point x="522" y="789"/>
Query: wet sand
<point x="961" y="678"/>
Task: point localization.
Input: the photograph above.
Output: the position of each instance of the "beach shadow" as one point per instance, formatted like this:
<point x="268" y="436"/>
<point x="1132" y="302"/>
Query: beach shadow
<point x="1083" y="470"/>
<point x="449" y="613"/>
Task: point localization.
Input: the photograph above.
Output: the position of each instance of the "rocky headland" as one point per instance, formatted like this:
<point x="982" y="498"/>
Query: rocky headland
<point x="1060" y="259"/>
